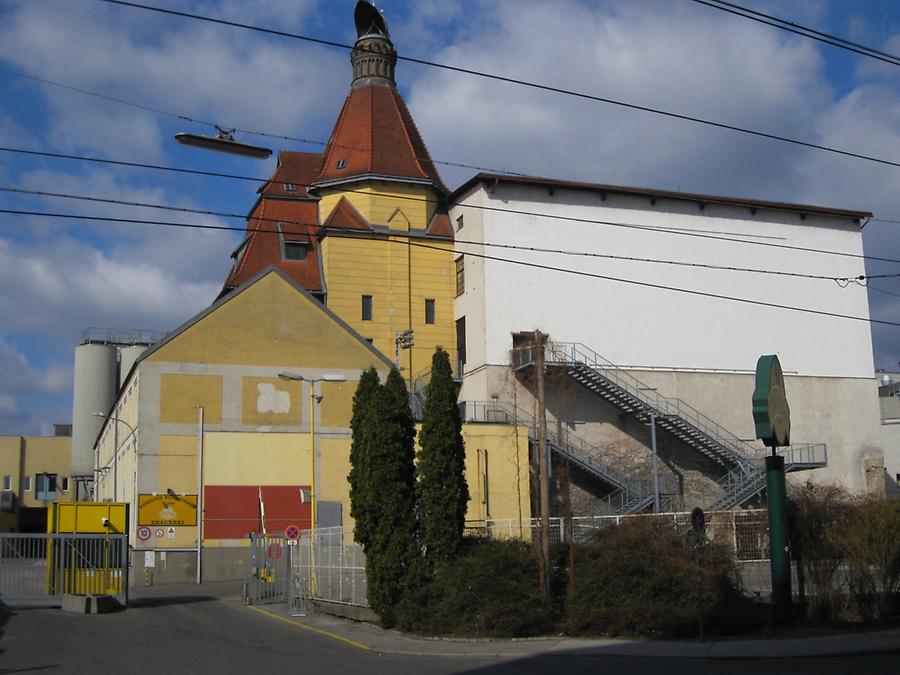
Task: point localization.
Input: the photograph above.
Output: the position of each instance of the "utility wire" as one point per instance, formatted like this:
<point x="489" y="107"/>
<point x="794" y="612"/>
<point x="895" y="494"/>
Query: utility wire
<point x="531" y="249"/>
<point x="418" y="244"/>
<point x="298" y="139"/>
<point x="524" y="83"/>
<point x="797" y="29"/>
<point x="494" y="209"/>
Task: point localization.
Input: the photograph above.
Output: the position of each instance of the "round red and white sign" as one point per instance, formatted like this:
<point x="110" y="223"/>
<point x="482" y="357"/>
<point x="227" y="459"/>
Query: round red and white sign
<point x="159" y="532"/>
<point x="274" y="551"/>
<point x="143" y="533"/>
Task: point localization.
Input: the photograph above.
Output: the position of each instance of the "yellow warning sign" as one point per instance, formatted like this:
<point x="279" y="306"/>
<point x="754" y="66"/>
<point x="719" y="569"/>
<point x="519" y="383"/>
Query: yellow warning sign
<point x="167" y="510"/>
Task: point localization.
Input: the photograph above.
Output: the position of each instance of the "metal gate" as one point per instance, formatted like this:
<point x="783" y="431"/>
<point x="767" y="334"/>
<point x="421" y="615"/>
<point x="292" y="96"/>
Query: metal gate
<point x="37" y="569"/>
<point x="271" y="572"/>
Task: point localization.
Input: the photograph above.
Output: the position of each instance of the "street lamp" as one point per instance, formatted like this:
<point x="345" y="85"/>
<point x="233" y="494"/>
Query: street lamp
<point x="333" y="377"/>
<point x="291" y="377"/>
<point x="115" y="451"/>
<point x="223" y="142"/>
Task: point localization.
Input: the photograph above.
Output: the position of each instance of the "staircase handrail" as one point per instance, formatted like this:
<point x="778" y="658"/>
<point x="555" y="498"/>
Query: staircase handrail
<point x="631" y="490"/>
<point x="573" y="352"/>
<point x="578" y="448"/>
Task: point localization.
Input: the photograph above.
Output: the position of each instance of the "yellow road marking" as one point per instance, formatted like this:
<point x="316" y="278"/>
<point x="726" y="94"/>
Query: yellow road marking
<point x="334" y="636"/>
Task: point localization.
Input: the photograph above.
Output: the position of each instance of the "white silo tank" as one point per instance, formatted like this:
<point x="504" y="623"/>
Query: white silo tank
<point x="127" y="356"/>
<point x="94" y="391"/>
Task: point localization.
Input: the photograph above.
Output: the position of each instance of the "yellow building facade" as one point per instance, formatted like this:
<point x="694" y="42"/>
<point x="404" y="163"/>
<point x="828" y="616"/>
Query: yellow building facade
<point x="211" y="432"/>
<point x="394" y="276"/>
<point x="36" y="471"/>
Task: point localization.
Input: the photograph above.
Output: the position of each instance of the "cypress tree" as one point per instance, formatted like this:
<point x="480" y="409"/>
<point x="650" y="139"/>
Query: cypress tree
<point x="362" y="494"/>
<point x="441" y="490"/>
<point x="392" y="563"/>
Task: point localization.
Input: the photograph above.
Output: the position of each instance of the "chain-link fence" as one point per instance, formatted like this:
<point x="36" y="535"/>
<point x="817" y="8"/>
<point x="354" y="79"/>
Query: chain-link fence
<point x="332" y="566"/>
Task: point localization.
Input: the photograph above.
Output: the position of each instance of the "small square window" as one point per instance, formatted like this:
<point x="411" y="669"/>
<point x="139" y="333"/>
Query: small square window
<point x="295" y="250"/>
<point x="429" y="310"/>
<point x="459" y="223"/>
<point x="26" y="483"/>
<point x="65" y="484"/>
<point x="341" y="163"/>
<point x="7" y="482"/>
<point x="290" y="187"/>
<point x="367" y="308"/>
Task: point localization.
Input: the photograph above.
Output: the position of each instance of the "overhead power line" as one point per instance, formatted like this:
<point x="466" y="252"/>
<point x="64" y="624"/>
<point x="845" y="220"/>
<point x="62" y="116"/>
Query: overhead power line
<point x="520" y="82"/>
<point x="494" y="209"/>
<point x="797" y="29"/>
<point x="844" y="281"/>
<point x="410" y="241"/>
<point x="264" y="134"/>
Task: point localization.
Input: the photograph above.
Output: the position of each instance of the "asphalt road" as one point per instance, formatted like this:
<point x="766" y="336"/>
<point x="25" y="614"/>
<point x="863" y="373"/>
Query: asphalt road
<point x="187" y="632"/>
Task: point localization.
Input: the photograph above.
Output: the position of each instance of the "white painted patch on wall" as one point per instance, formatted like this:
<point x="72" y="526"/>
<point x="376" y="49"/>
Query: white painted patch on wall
<point x="272" y="400"/>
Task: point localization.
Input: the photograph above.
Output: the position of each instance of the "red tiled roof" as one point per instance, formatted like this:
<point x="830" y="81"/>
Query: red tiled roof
<point x="440" y="225"/>
<point x="298" y="221"/>
<point x="346" y="216"/>
<point x="376" y="135"/>
<point x="294" y="168"/>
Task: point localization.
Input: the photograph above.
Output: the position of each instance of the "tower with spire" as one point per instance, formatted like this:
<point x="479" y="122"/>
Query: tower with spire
<point x="363" y="225"/>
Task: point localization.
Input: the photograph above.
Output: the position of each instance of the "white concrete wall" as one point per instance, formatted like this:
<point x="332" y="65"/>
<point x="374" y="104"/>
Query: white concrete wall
<point x="644" y="327"/>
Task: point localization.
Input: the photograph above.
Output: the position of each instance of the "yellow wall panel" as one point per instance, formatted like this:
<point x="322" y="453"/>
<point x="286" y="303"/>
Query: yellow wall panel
<point x="262" y="458"/>
<point x="177" y="464"/>
<point x="180" y="397"/>
<point x="333" y="471"/>
<point x="337" y="403"/>
<point x="506" y="494"/>
<point x="268" y="323"/>
<point x="268" y="401"/>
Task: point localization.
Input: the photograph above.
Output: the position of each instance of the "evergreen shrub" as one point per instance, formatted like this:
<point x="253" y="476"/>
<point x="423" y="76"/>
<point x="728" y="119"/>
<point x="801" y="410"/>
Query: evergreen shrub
<point x="489" y="589"/>
<point x="640" y="578"/>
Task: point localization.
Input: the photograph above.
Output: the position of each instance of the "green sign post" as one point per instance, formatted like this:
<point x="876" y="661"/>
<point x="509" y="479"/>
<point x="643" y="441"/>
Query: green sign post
<point x="772" y="418"/>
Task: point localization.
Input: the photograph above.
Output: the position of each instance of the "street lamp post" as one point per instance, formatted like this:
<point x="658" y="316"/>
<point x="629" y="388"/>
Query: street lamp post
<point x="116" y="420"/>
<point x="312" y="454"/>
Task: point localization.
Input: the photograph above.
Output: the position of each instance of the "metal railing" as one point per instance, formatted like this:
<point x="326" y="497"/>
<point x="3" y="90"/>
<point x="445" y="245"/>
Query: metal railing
<point x="627" y="492"/>
<point x="744" y="533"/>
<point x="746" y="476"/>
<point x="332" y="566"/>
<point x="36" y="570"/>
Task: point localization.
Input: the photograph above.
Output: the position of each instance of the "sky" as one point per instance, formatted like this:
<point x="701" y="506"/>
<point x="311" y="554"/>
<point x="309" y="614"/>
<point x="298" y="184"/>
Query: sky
<point x="60" y="277"/>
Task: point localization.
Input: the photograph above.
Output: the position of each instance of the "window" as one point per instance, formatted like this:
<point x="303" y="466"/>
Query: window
<point x="45" y="487"/>
<point x="460" y="277"/>
<point x="461" y="340"/>
<point x="65" y="484"/>
<point x="341" y="163"/>
<point x="290" y="187"/>
<point x="26" y="483"/>
<point x="367" y="308"/>
<point x="294" y="250"/>
<point x="459" y="223"/>
<point x="429" y="310"/>
<point x="7" y="482"/>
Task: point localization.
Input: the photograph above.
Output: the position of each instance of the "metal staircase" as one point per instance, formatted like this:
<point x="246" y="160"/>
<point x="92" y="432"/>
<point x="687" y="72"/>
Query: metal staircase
<point x="625" y="494"/>
<point x="744" y="465"/>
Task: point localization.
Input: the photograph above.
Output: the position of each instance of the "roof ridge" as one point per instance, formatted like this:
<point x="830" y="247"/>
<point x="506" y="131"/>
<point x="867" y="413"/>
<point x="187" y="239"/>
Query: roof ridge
<point x="412" y="150"/>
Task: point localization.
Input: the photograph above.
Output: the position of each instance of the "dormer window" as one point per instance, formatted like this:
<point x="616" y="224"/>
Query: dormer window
<point x="341" y="163"/>
<point x="294" y="250"/>
<point x="290" y="187"/>
<point x="238" y="253"/>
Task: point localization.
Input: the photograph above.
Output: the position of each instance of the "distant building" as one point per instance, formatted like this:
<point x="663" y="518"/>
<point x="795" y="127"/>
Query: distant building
<point x="36" y="471"/>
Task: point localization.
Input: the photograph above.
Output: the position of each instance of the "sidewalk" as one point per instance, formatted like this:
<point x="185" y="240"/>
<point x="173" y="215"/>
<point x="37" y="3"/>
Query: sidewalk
<point x="372" y="638"/>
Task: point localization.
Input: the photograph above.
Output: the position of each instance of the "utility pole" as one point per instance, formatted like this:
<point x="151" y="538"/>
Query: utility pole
<point x="543" y="457"/>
